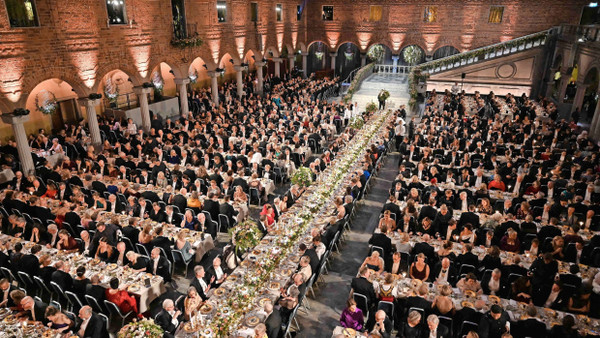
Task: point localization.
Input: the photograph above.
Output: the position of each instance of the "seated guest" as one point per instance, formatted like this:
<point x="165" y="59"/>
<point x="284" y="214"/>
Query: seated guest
<point x="362" y="285"/>
<point x="17" y="296"/>
<point x="386" y="290"/>
<point x="184" y="246"/>
<point x="199" y="282"/>
<point x="34" y="310"/>
<point x="304" y="268"/>
<point x="532" y="326"/>
<point x="192" y="303"/>
<point x="554" y="297"/>
<point x="580" y="301"/>
<point x="383" y="241"/>
<point x="411" y="328"/>
<point x="61" y="276"/>
<point x="104" y="251"/>
<point x="352" y="317"/>
<point x="260" y="331"/>
<point x="217" y="272"/>
<point x="121" y="298"/>
<point x="383" y="325"/>
<point x="419" y="269"/>
<point x="80" y="282"/>
<point x="443" y="304"/>
<point x="290" y="296"/>
<point x="189" y="221"/>
<point x="510" y="242"/>
<point x="136" y="262"/>
<point x="434" y="329"/>
<point x="494" y="323"/>
<point x="120" y="255"/>
<point x="492" y="284"/>
<point x="5" y="289"/>
<point x="566" y="330"/>
<point x="469" y="283"/>
<point x="66" y="242"/>
<point x="168" y="319"/>
<point x="396" y="267"/>
<point x="492" y="260"/>
<point x="467" y="257"/>
<point x="58" y="320"/>
<point x="92" y="325"/>
<point x="374" y="262"/>
<point x="95" y="290"/>
<point x="273" y="320"/>
<point x="420" y="299"/>
<point x="521" y="290"/>
<point x="159" y="265"/>
<point x="443" y="272"/>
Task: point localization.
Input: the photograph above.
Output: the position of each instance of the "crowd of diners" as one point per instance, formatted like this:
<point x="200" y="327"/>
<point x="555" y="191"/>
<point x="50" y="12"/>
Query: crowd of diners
<point x="517" y="191"/>
<point x="182" y="173"/>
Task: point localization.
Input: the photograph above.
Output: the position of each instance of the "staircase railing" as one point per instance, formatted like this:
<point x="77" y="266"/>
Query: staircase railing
<point x="361" y="74"/>
<point x="485" y="53"/>
<point x="392" y="69"/>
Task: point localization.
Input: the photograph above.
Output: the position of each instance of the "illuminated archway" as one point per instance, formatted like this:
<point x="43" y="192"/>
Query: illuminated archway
<point x="347" y="60"/>
<point x="445" y="51"/>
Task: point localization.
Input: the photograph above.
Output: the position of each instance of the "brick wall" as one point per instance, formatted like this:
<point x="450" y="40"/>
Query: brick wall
<point x="75" y="44"/>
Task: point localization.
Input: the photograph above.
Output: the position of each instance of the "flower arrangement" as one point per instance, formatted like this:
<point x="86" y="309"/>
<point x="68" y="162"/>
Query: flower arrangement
<point x="111" y="92"/>
<point x="356" y="123"/>
<point x="371" y="107"/>
<point x="412" y="54"/>
<point x="384" y="95"/>
<point x="45" y="101"/>
<point x="145" y="328"/>
<point x="376" y="53"/>
<point x="319" y="55"/>
<point x="187" y="42"/>
<point x="245" y="235"/>
<point x="302" y="177"/>
<point x="349" y="55"/>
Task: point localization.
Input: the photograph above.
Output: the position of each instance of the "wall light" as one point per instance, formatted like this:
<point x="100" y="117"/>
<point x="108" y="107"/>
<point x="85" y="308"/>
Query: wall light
<point x="593" y="4"/>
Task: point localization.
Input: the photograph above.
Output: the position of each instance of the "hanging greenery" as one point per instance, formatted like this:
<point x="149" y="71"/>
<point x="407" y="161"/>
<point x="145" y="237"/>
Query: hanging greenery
<point x="45" y="101"/>
<point x="187" y="42"/>
<point x="319" y="55"/>
<point x="376" y="53"/>
<point x="193" y="76"/>
<point x="412" y="54"/>
<point x="158" y="83"/>
<point x="349" y="55"/>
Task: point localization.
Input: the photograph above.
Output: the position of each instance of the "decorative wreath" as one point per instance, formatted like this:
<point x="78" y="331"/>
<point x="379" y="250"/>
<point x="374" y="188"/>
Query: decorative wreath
<point x="45" y="101"/>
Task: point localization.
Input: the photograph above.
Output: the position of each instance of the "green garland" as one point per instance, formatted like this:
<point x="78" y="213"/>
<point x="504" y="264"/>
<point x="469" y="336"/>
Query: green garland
<point x="356" y="123"/>
<point x="187" y="42"/>
<point x="48" y="105"/>
<point x="145" y="328"/>
<point x="371" y="107"/>
<point x="302" y="177"/>
<point x="357" y="81"/>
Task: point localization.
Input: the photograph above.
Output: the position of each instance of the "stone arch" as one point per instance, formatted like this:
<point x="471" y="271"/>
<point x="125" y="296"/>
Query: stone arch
<point x="233" y="54"/>
<point x="444" y="51"/>
<point x="135" y="79"/>
<point x="302" y="46"/>
<point x="348" y="59"/>
<point x="317" y="41"/>
<point x="318" y="56"/>
<point x="384" y="43"/>
<point x="76" y="84"/>
<point x="197" y="73"/>
<point x="271" y="50"/>
<point x="251" y="52"/>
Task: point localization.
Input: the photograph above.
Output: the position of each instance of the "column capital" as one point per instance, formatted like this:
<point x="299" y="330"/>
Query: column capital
<point x="212" y="73"/>
<point x="141" y="90"/>
<point x="277" y="59"/>
<point x="395" y="57"/>
<point x="333" y="55"/>
<point x="89" y="102"/>
<point x="12" y="119"/>
<point x="293" y="56"/>
<point x="238" y="68"/>
<point x="304" y="53"/>
<point x="182" y="80"/>
<point x="260" y="63"/>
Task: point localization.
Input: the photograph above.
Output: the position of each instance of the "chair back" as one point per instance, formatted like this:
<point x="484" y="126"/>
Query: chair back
<point x="56" y="305"/>
<point x="468" y="326"/>
<point x="113" y="308"/>
<point x="223" y="223"/>
<point x="93" y="302"/>
<point x="40" y="284"/>
<point x="447" y="322"/>
<point x="419" y="310"/>
<point x="378" y="249"/>
<point x="388" y="307"/>
<point x="361" y="302"/>
<point x="74" y="299"/>
<point x="104" y="319"/>
<point x="141" y="249"/>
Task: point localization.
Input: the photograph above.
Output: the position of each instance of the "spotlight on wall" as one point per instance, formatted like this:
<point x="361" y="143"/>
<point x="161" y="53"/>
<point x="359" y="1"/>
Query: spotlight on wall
<point x="254" y="57"/>
<point x="95" y="96"/>
<point x="147" y="85"/>
<point x="231" y="60"/>
<point x="172" y="72"/>
<point x="20" y="112"/>
<point x="205" y="67"/>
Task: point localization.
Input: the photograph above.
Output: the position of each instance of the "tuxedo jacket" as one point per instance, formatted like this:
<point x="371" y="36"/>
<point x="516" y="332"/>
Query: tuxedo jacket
<point x="95" y="328"/>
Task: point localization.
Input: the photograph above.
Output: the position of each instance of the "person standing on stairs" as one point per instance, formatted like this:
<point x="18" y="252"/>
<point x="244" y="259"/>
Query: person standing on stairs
<point x="381" y="97"/>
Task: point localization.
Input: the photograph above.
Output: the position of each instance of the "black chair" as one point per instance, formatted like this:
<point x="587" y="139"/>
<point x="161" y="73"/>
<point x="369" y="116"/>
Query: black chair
<point x="465" y="269"/>
<point x="419" y="310"/>
<point x="388" y="307"/>
<point x="76" y="303"/>
<point x="255" y="196"/>
<point x="25" y="280"/>
<point x="466" y="327"/>
<point x="41" y="287"/>
<point x="113" y="309"/>
<point x="223" y="223"/>
<point x="60" y="294"/>
<point x="93" y="302"/>
<point x="178" y="256"/>
<point x="362" y="303"/>
<point x="141" y="249"/>
<point x="104" y="319"/>
<point x="447" y="322"/>
<point x="378" y="249"/>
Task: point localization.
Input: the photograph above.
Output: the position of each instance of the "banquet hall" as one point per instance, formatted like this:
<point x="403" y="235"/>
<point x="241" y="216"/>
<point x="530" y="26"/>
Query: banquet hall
<point x="299" y="168"/>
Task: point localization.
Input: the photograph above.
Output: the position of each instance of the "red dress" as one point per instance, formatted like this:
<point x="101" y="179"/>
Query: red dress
<point x="123" y="300"/>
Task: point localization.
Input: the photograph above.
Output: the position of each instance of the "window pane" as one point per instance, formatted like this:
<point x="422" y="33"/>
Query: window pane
<point x="22" y="13"/>
<point x="116" y="12"/>
<point x="328" y="13"/>
<point x="222" y="11"/>
<point x="254" y="11"/>
<point x="179" y="27"/>
<point x="430" y="14"/>
<point x="279" y="10"/>
<point x="496" y="13"/>
<point x="376" y="13"/>
<point x="299" y="13"/>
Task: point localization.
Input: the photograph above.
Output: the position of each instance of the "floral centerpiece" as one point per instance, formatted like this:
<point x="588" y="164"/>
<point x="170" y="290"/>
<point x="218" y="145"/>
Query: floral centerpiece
<point x="302" y="177"/>
<point x="145" y="328"/>
<point x="45" y="101"/>
<point x="245" y="235"/>
<point x="357" y="122"/>
<point x="371" y="107"/>
<point x="111" y="92"/>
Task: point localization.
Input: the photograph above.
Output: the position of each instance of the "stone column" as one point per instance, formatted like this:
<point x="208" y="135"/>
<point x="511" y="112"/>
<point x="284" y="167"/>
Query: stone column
<point x="333" y="57"/>
<point x="305" y="64"/>
<point x="292" y="62"/>
<point x="363" y="59"/>
<point x="578" y="101"/>
<point x="259" y="76"/>
<point x="214" y="86"/>
<point x="90" y="107"/>
<point x="595" y="126"/>
<point x="239" y="77"/>
<point x="277" y="62"/>
<point x="142" y="94"/>
<point x="564" y="81"/>
<point x="395" y="58"/>
<point x="23" y="148"/>
<point x="184" y="107"/>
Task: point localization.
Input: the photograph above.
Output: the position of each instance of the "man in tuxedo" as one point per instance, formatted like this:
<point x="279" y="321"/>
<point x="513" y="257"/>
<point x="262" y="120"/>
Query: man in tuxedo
<point x="392" y="207"/>
<point x="179" y="200"/>
<point x="552" y="297"/>
<point x="467" y="257"/>
<point x="200" y="283"/>
<point x="494" y="284"/>
<point x="469" y="217"/>
<point x="228" y="210"/>
<point x="428" y="210"/>
<point x="157" y="214"/>
<point x="172" y="217"/>
<point x="434" y="329"/>
<point x="61" y="276"/>
<point x="273" y="321"/>
<point x="311" y="253"/>
<point x="5" y="290"/>
<point x="383" y="241"/>
<point x="29" y="263"/>
<point x="92" y="325"/>
<point x="35" y="310"/>
<point x="159" y="265"/>
<point x="211" y="205"/>
<point x="419" y="300"/>
<point x="362" y="285"/>
<point x="532" y="326"/>
<point x="169" y="318"/>
<point x="64" y="192"/>
<point x="383" y="325"/>
<point x="113" y="205"/>
<point x="94" y="290"/>
<point x="216" y="271"/>
<point x="424" y="247"/>
<point x="443" y="272"/>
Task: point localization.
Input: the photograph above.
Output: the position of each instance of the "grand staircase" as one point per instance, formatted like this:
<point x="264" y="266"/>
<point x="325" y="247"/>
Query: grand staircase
<point x="396" y="84"/>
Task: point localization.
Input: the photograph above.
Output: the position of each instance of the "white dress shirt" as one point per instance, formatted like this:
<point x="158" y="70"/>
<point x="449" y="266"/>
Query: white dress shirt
<point x="551" y="299"/>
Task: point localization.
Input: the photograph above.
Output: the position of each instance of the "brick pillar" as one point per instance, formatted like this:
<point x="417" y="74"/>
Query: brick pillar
<point x="23" y="148"/>
<point x="184" y="107"/>
<point x="90" y="107"/>
<point x="363" y="59"/>
<point x="292" y="62"/>
<point x="333" y="57"/>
